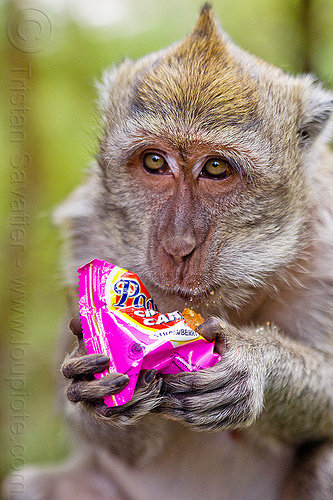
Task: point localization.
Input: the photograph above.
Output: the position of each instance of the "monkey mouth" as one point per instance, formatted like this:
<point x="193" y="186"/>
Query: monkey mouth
<point x="183" y="277"/>
<point x="187" y="286"/>
<point x="194" y="295"/>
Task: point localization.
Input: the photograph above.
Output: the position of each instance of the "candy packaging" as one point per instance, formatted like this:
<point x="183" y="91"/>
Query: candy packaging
<point x="121" y="320"/>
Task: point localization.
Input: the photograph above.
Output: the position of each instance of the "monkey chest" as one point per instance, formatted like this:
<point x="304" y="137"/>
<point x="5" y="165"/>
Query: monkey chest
<point x="199" y="465"/>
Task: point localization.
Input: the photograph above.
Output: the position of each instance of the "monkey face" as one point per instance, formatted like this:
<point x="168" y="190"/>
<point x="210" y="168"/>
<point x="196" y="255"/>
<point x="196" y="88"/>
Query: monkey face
<point x="201" y="162"/>
<point x="180" y="189"/>
<point x="195" y="219"/>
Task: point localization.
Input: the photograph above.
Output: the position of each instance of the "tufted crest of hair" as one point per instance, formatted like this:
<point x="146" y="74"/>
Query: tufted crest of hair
<point x="196" y="82"/>
<point x="205" y="85"/>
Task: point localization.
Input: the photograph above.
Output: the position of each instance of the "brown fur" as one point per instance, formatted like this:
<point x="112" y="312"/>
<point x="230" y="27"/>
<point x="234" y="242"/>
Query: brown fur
<point x="254" y="249"/>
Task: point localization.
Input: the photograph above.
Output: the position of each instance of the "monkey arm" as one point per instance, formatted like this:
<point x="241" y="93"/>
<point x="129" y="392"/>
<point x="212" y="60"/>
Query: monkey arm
<point x="263" y="377"/>
<point x="299" y="391"/>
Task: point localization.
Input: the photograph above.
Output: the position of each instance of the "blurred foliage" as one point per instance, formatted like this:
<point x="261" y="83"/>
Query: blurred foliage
<point x="60" y="126"/>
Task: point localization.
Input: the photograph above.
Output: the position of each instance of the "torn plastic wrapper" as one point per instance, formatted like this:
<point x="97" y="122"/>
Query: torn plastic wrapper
<point x="120" y="319"/>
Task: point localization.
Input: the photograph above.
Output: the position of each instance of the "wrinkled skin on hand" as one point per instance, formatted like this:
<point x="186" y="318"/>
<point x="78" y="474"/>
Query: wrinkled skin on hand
<point x="80" y="368"/>
<point x="229" y="395"/>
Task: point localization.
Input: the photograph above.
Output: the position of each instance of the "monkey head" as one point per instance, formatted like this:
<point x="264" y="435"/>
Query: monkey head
<point x="207" y="165"/>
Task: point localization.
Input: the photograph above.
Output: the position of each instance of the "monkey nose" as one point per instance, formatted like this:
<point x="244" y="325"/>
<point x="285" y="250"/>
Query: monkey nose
<point x="179" y="247"/>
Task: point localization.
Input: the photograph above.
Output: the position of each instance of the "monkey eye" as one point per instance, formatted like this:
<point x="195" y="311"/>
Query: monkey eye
<point x="154" y="163"/>
<point x="216" y="168"/>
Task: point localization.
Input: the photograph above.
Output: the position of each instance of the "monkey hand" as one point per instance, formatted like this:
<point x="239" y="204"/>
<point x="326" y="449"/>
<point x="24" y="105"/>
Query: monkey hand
<point x="84" y="388"/>
<point x="226" y="396"/>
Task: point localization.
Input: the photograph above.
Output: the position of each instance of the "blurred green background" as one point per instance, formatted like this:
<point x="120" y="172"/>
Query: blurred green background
<point x="66" y="46"/>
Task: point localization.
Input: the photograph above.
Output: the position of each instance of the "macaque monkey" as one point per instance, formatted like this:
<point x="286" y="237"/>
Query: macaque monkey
<point x="213" y="183"/>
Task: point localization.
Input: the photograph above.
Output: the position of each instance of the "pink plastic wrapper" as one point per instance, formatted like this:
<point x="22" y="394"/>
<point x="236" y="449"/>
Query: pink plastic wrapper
<point x="120" y="319"/>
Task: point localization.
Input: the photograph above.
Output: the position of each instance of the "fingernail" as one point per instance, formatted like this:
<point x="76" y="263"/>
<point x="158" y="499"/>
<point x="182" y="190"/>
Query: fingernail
<point x="150" y="376"/>
<point x="102" y="360"/>
<point x="75" y="325"/>
<point x="120" y="381"/>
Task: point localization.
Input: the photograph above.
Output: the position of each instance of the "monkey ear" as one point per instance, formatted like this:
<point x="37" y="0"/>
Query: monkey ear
<point x="316" y="118"/>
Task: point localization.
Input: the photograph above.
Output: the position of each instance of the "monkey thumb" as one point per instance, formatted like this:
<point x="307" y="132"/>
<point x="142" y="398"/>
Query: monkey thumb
<point x="212" y="328"/>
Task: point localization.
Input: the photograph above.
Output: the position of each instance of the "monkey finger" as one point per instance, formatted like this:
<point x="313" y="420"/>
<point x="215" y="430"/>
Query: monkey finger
<point x="97" y="389"/>
<point x="85" y="365"/>
<point x="145" y="399"/>
<point x="205" y="402"/>
<point x="146" y="377"/>
<point x="218" y="377"/>
<point x="180" y="382"/>
<point x="81" y="349"/>
<point x="214" y="329"/>
<point x="75" y="325"/>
